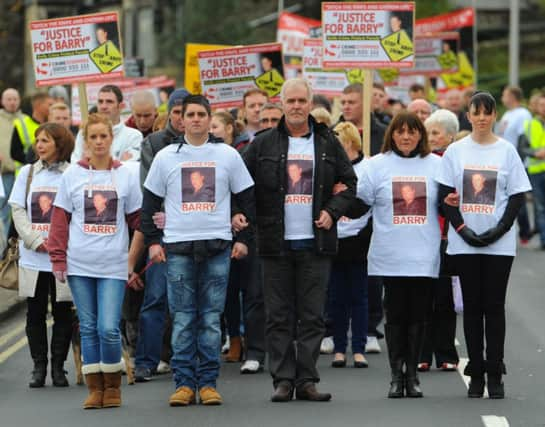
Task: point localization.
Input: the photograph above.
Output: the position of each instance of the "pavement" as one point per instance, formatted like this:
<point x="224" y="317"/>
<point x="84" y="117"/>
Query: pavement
<point x="9" y="303"/>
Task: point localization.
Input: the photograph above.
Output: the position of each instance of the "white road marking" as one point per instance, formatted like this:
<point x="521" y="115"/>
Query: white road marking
<point x="494" y="421"/>
<point x="456" y="342"/>
<point x="461" y="367"/>
<point x="14" y="348"/>
<point x="4" y="339"/>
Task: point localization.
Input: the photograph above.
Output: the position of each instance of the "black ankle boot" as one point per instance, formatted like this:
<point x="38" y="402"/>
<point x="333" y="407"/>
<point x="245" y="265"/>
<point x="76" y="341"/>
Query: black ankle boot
<point x="476" y="387"/>
<point x="38" y="375"/>
<point x="58" y="374"/>
<point x="495" y="387"/>
<point x="396" y="339"/>
<point x="416" y="336"/>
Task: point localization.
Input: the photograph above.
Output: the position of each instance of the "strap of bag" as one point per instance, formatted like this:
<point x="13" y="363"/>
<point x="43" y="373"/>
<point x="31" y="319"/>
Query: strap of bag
<point x="29" y="180"/>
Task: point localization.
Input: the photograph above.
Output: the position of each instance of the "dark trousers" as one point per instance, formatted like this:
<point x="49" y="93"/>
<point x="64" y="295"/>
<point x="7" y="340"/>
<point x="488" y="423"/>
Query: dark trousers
<point x="375" y="309"/>
<point x="130" y="314"/>
<point x="441" y="330"/>
<point x="348" y="282"/>
<point x="484" y="286"/>
<point x="407" y="300"/>
<point x="246" y="276"/>
<point x="295" y="287"/>
<point x="36" y="328"/>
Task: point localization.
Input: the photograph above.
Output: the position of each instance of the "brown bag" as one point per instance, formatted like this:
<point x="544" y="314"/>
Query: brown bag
<point x="9" y="265"/>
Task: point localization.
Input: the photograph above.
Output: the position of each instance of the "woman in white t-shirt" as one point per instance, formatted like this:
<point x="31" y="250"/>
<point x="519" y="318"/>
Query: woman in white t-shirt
<point x="31" y="211"/>
<point x="89" y="244"/>
<point x="482" y="185"/>
<point x="400" y="186"/>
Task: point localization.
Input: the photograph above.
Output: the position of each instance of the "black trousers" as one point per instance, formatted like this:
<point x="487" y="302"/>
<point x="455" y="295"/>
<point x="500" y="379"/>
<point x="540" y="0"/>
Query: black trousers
<point x="375" y="289"/>
<point x="36" y="328"/>
<point x="484" y="286"/>
<point x="441" y="330"/>
<point x="407" y="300"/>
<point x="295" y="287"/>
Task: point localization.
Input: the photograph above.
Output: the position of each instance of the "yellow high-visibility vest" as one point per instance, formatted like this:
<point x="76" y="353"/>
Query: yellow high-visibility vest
<point x="26" y="128"/>
<point x="534" y="131"/>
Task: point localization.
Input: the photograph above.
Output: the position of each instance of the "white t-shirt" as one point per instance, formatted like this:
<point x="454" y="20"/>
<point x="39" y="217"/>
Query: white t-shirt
<point x="299" y="191"/>
<point x="484" y="176"/>
<point x="39" y="207"/>
<point x="511" y="125"/>
<point x="98" y="200"/>
<point x="347" y="227"/>
<point x="126" y="140"/>
<point x="196" y="183"/>
<point x="406" y="234"/>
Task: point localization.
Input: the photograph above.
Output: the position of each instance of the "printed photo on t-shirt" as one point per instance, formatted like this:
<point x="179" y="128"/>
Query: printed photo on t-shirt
<point x="41" y="207"/>
<point x="479" y="190"/>
<point x="299" y="179"/>
<point x="100" y="206"/>
<point x="198" y="186"/>
<point x="409" y="196"/>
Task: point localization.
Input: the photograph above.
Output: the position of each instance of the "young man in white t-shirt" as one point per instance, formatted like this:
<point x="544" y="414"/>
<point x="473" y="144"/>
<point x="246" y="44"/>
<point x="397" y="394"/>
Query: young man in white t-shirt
<point x="197" y="238"/>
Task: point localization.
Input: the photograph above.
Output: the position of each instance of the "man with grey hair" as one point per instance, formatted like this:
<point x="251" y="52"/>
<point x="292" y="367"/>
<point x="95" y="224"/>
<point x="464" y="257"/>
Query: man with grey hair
<point x="11" y="102"/>
<point x="295" y="166"/>
<point x="421" y="108"/>
<point x="143" y="112"/>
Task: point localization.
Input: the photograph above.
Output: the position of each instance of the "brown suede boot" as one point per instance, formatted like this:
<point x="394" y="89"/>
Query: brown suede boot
<point x="112" y="390"/>
<point x="235" y="350"/>
<point x="95" y="384"/>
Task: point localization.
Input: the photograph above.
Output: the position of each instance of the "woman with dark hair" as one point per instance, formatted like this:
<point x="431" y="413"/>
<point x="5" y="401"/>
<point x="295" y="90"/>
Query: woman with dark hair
<point x="405" y="243"/>
<point x="481" y="241"/>
<point x="31" y="202"/>
<point x="92" y="255"/>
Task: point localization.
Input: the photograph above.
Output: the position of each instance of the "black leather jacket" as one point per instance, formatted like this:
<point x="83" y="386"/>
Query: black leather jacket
<point x="266" y="159"/>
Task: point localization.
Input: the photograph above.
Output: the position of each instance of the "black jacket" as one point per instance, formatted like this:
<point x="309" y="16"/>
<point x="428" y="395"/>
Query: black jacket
<point x="266" y="159"/>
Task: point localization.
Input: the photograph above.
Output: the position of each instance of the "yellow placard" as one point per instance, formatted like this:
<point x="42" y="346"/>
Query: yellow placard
<point x="192" y="80"/>
<point x="397" y="45"/>
<point x="448" y="60"/>
<point x="271" y="82"/>
<point x="465" y="75"/>
<point x="355" y="75"/>
<point x="388" y="75"/>
<point x="106" y="57"/>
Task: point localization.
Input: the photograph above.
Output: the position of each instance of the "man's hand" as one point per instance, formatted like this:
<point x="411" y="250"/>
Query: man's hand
<point x="324" y="221"/>
<point x="540" y="154"/>
<point x="240" y="250"/>
<point x="159" y="219"/>
<point x="60" y="276"/>
<point x="156" y="253"/>
<point x="135" y="282"/>
<point x="452" y="199"/>
<point x="239" y="222"/>
<point x="339" y="187"/>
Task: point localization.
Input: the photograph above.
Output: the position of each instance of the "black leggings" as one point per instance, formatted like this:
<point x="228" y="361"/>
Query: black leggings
<point x="407" y="300"/>
<point x="484" y="286"/>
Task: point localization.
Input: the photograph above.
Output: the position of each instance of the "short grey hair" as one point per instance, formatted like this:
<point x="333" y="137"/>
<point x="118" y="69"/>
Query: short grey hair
<point x="143" y="97"/>
<point x="296" y="81"/>
<point x="445" y="118"/>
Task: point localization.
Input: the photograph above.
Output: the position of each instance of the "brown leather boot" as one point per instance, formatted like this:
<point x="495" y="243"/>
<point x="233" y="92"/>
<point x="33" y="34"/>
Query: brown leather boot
<point x="112" y="390"/>
<point x="235" y="350"/>
<point x="95" y="385"/>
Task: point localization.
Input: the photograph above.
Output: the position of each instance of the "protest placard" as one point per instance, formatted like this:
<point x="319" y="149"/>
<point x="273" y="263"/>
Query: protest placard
<point x="435" y="54"/>
<point x="325" y="82"/>
<point x="368" y="34"/>
<point x="84" y="48"/>
<point x="292" y="31"/>
<point x="192" y="80"/>
<point x="227" y="73"/>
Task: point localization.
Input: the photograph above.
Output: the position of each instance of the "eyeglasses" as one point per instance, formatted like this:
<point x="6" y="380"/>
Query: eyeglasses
<point x="273" y="120"/>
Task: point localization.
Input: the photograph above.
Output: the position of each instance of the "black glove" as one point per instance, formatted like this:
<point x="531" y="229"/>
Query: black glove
<point x="494" y="234"/>
<point x="471" y="238"/>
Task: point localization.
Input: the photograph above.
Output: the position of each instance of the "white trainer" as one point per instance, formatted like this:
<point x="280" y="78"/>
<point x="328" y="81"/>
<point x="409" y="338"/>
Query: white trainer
<point x="226" y="345"/>
<point x="327" y="345"/>
<point x="372" y="345"/>
<point x="250" y="367"/>
<point x="163" y="367"/>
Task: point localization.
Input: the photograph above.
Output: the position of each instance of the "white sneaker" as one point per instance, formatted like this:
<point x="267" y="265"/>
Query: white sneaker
<point x="327" y="345"/>
<point x="163" y="367"/>
<point x="250" y="367"/>
<point x="225" y="348"/>
<point x="372" y="345"/>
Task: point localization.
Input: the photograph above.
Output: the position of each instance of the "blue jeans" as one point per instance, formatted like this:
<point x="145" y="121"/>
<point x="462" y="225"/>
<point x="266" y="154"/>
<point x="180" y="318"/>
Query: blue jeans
<point x="349" y="285"/>
<point x="8" y="179"/>
<point x="538" y="190"/>
<point x="196" y="297"/>
<point x="152" y="318"/>
<point x="98" y="302"/>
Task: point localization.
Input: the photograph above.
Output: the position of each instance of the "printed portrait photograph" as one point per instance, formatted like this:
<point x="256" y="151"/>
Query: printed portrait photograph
<point x="409" y="198"/>
<point x="401" y="20"/>
<point x="41" y="203"/>
<point x="479" y="187"/>
<point x="101" y="207"/>
<point x="271" y="60"/>
<point x="199" y="185"/>
<point x="299" y="177"/>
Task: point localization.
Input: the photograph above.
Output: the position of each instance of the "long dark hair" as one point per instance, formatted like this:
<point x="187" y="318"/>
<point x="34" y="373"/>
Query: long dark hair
<point x="413" y="123"/>
<point x="483" y="101"/>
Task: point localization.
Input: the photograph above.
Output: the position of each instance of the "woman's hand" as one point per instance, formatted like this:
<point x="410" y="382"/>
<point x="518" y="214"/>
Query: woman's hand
<point x="240" y="250"/>
<point x="156" y="253"/>
<point x="60" y="275"/>
<point x="239" y="222"/>
<point x="135" y="282"/>
<point x="452" y="199"/>
<point x="159" y="219"/>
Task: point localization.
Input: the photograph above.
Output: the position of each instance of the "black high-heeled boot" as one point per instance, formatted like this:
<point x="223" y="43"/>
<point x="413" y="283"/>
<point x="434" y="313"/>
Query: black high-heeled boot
<point x="396" y="339"/>
<point x="415" y="342"/>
